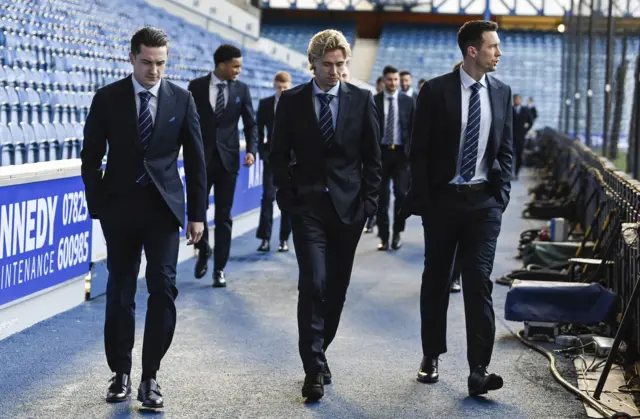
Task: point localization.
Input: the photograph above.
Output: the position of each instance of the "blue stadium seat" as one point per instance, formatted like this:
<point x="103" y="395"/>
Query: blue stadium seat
<point x="18" y="143"/>
<point x="6" y="146"/>
<point x="43" y="141"/>
<point x="31" y="143"/>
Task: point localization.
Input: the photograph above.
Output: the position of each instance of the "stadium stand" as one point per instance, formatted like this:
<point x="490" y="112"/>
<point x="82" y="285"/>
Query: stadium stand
<point x="54" y="55"/>
<point x="296" y="35"/>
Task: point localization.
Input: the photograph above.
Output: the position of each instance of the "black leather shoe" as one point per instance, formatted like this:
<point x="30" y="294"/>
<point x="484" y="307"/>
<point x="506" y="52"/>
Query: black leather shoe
<point x="149" y="394"/>
<point x="384" y="245"/>
<point x="284" y="246"/>
<point x="218" y="279"/>
<point x="371" y="222"/>
<point x="428" y="372"/>
<point x="119" y="388"/>
<point x="481" y="382"/>
<point x="455" y="285"/>
<point x="202" y="263"/>
<point x="327" y="373"/>
<point x="396" y="242"/>
<point x="313" y="388"/>
<point x="264" y="246"/>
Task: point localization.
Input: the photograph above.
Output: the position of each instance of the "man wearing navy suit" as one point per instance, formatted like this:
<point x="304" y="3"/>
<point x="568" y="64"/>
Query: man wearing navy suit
<point x="332" y="186"/>
<point x="221" y="101"/>
<point x="395" y="117"/>
<point x="140" y="203"/>
<point x="266" y="114"/>
<point x="461" y="166"/>
<point x="522" y="122"/>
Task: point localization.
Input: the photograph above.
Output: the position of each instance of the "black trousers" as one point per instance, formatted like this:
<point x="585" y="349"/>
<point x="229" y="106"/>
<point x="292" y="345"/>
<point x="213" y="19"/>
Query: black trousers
<point x="224" y="188"/>
<point x="140" y="220"/>
<point x="395" y="166"/>
<point x="470" y="221"/>
<point x="325" y="249"/>
<point x="266" y="209"/>
<point x="518" y="151"/>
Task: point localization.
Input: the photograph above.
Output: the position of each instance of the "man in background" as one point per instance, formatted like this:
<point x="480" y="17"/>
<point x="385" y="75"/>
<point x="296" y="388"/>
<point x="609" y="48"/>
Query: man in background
<point x="221" y="101"/>
<point x="264" y="118"/>
<point x="406" y="82"/>
<point x="522" y="122"/>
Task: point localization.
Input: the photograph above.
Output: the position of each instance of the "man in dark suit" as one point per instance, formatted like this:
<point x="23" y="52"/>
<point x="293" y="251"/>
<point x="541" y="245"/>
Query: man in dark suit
<point x="266" y="114"/>
<point x="221" y="101"/>
<point x="461" y="167"/>
<point x="522" y="122"/>
<point x="329" y="190"/>
<point x="406" y="82"/>
<point x="140" y="203"/>
<point x="532" y="109"/>
<point x="395" y="117"/>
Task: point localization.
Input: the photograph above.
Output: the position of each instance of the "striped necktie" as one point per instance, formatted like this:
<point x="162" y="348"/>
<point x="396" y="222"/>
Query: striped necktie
<point x="326" y="120"/>
<point x="390" y="124"/>
<point x="145" y="123"/>
<point x="472" y="134"/>
<point x="220" y="100"/>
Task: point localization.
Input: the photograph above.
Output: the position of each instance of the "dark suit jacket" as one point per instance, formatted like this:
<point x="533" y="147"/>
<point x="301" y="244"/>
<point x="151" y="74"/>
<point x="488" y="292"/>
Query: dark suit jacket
<point x="264" y="119"/>
<point x="406" y="108"/>
<point x="113" y="118"/>
<point x="521" y="125"/>
<point x="436" y="140"/>
<point x="223" y="134"/>
<point x="350" y="168"/>
<point x="534" y="112"/>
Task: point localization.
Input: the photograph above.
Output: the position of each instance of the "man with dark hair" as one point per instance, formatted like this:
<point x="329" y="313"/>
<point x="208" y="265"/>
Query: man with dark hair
<point x="420" y="83"/>
<point x="140" y="203"/>
<point x="532" y="109"/>
<point x="221" y="101"/>
<point x="379" y="84"/>
<point x="395" y="117"/>
<point x="266" y="114"/>
<point x="406" y="80"/>
<point x="522" y="122"/>
<point x="461" y="166"/>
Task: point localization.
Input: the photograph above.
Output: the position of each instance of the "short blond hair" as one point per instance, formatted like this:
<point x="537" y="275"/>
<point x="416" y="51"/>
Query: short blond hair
<point x="325" y="41"/>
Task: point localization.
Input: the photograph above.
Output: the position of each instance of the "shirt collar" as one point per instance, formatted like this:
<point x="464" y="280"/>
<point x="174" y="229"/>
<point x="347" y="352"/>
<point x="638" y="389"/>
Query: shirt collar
<point x="333" y="91"/>
<point x="467" y="81"/>
<point x="215" y="80"/>
<point x="394" y="95"/>
<point x="137" y="87"/>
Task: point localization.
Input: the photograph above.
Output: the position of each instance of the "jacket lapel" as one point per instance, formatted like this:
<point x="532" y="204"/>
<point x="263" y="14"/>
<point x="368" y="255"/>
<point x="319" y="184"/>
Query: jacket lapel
<point x="308" y="109"/>
<point x="497" y="112"/>
<point x="233" y="92"/>
<point x="130" y="112"/>
<point x="454" y="107"/>
<point x="344" y="97"/>
<point x="166" y="100"/>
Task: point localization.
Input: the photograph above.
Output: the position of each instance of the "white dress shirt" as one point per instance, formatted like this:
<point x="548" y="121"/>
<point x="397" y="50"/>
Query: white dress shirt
<point x="213" y="91"/>
<point x="153" y="102"/>
<point x="396" y="108"/>
<point x="333" y="106"/>
<point x="482" y="169"/>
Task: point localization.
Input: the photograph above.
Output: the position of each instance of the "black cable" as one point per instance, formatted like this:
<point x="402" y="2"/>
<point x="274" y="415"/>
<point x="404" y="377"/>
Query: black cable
<point x="603" y="410"/>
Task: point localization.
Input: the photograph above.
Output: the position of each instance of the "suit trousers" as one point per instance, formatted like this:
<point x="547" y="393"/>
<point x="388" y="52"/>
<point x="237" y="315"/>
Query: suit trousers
<point x="141" y="219"/>
<point x="325" y="249"/>
<point x="266" y="209"/>
<point x="471" y="223"/>
<point x="395" y="166"/>
<point x="224" y="188"/>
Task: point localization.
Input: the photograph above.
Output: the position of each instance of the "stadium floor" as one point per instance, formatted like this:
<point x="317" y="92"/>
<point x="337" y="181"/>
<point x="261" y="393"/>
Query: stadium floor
<point x="235" y="352"/>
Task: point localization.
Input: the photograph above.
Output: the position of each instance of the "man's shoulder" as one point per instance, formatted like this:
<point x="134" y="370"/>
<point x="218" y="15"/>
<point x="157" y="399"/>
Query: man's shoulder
<point x="176" y="89"/>
<point x="240" y="85"/>
<point x="266" y="100"/>
<point x="293" y="92"/>
<point x="116" y="87"/>
<point x="496" y="82"/>
<point x="358" y="92"/>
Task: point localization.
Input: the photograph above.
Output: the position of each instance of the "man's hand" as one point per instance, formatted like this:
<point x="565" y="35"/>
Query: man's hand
<point x="194" y="232"/>
<point x="249" y="159"/>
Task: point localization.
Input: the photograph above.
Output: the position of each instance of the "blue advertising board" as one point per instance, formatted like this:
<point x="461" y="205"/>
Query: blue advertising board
<point x="45" y="236"/>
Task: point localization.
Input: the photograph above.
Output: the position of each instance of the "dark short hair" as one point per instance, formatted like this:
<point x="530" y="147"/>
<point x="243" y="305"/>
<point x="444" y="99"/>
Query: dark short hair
<point x="149" y="37"/>
<point x="421" y="81"/>
<point x="470" y="34"/>
<point x="389" y="69"/>
<point x="405" y="73"/>
<point x="379" y="80"/>
<point x="226" y="52"/>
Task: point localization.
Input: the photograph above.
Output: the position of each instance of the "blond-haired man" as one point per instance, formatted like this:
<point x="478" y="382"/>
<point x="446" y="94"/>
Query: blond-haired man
<point x="329" y="189"/>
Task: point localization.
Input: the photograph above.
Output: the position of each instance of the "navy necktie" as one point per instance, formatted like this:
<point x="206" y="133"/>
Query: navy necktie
<point x="325" y="120"/>
<point x="472" y="134"/>
<point x="145" y="123"/>
<point x="390" y="124"/>
<point x="220" y="100"/>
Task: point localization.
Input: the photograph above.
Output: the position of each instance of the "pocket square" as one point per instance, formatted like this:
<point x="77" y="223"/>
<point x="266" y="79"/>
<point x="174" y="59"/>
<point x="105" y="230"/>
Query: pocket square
<point x="172" y="119"/>
<point x="238" y="99"/>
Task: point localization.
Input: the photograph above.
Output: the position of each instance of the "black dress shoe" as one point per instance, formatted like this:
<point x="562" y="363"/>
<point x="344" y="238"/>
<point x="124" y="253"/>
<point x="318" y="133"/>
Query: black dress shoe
<point x="371" y="222"/>
<point x="384" y="245"/>
<point x="149" y="394"/>
<point x="218" y="279"/>
<point x="481" y="382"/>
<point x="284" y="246"/>
<point x="202" y="263"/>
<point x="119" y="388"/>
<point x="396" y="242"/>
<point x="428" y="372"/>
<point x="264" y="246"/>
<point x="313" y="387"/>
<point x="327" y="373"/>
<point x="455" y="285"/>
